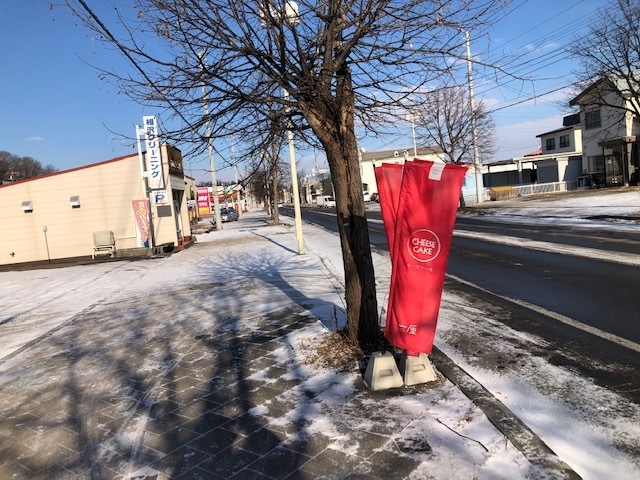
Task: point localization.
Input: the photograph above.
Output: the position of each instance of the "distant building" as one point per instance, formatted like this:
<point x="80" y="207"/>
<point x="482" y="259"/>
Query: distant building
<point x="55" y="216"/>
<point x="558" y="159"/>
<point x="370" y="160"/>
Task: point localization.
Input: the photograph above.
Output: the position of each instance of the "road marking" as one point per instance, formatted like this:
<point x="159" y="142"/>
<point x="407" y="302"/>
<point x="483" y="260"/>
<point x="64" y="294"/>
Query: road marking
<point x="557" y="316"/>
<point x="591" y="253"/>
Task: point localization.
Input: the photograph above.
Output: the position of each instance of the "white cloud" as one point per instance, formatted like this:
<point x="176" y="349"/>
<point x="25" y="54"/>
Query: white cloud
<point x="34" y="138"/>
<point x="518" y="139"/>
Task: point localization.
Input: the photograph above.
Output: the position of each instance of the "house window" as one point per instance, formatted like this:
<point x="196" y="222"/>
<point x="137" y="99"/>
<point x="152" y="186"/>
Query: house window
<point x="592" y="119"/>
<point x="551" y="143"/>
<point x="595" y="164"/>
<point x="564" y="141"/>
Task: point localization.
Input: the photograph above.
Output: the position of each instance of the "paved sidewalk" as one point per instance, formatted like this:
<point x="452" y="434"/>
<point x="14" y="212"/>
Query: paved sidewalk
<point x="167" y="379"/>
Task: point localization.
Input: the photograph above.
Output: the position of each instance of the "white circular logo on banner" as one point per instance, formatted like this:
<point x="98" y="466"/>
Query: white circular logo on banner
<point x="424" y="245"/>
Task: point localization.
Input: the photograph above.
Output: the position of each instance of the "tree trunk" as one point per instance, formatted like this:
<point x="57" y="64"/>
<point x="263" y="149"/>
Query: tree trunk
<point x="334" y="125"/>
<point x="274" y="189"/>
<point x="362" y="306"/>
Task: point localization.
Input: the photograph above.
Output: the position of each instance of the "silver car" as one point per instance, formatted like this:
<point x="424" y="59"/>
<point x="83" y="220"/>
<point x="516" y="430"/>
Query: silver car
<point x="228" y="214"/>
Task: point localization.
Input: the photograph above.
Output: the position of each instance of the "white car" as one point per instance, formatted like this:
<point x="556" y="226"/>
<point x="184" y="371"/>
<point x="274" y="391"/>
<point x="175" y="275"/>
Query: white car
<point x="367" y="197"/>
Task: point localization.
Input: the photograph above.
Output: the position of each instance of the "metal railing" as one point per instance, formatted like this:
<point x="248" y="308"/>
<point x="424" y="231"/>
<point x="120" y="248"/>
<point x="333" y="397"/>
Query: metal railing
<point x="532" y="189"/>
<point x="544" y="188"/>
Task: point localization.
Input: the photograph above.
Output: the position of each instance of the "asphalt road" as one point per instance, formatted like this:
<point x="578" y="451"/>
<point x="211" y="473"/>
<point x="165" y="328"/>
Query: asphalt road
<point x="584" y="300"/>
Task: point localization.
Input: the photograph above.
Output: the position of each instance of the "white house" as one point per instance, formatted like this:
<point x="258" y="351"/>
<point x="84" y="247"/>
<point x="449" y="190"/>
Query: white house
<point x="559" y="159"/>
<point x="611" y="130"/>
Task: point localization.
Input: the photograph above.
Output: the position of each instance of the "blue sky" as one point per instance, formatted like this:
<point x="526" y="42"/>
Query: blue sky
<point x="56" y="110"/>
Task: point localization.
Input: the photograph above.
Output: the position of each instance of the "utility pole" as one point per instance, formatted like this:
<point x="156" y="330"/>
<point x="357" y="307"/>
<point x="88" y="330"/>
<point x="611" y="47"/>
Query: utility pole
<point x="476" y="160"/>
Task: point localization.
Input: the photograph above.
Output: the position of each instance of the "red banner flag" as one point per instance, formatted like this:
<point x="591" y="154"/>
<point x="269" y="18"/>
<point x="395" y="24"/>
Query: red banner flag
<point x="427" y="202"/>
<point x="389" y="180"/>
<point x="142" y="215"/>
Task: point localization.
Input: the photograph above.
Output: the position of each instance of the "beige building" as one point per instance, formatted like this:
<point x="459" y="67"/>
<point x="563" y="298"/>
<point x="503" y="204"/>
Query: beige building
<point x="55" y="216"/>
<point x="370" y="160"/>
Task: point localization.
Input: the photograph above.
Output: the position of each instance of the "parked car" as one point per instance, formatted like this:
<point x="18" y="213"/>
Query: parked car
<point x="367" y="197"/>
<point x="228" y="214"/>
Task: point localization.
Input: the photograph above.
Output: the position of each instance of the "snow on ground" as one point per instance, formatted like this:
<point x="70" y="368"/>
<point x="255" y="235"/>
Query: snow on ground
<point x="257" y="272"/>
<point x="586" y="425"/>
<point x="578" y="420"/>
<point x="571" y="208"/>
<point x="575" y="203"/>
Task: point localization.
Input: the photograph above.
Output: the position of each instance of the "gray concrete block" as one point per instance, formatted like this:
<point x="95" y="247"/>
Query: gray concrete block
<point x="382" y="372"/>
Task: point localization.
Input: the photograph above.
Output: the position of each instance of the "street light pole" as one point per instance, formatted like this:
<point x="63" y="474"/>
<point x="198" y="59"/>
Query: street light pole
<point x="294" y="185"/>
<point x="476" y="160"/>
<point x="214" y="179"/>
<point x="290" y="14"/>
<point x="412" y="118"/>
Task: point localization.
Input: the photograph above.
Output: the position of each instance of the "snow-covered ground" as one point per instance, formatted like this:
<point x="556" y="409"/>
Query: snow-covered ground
<point x="572" y="208"/>
<point x="587" y="426"/>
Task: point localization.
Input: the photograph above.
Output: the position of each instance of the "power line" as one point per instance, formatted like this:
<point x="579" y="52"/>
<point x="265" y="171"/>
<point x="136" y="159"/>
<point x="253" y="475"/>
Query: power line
<point x="530" y="98"/>
<point x="502" y="73"/>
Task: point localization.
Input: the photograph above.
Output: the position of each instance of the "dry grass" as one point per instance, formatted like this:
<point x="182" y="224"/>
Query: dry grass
<point x="335" y="351"/>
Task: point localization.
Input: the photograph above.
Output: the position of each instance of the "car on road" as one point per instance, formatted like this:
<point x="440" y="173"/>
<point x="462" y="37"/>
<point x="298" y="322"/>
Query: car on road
<point x="326" y="201"/>
<point x="228" y="214"/>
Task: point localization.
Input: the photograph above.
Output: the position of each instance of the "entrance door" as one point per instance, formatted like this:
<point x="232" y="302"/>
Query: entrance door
<point x="177" y="202"/>
<point x="613" y="169"/>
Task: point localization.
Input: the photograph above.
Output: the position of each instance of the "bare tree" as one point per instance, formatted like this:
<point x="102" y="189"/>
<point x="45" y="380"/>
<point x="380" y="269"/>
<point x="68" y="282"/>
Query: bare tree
<point x="14" y="167"/>
<point x="272" y="153"/>
<point x="609" y="56"/>
<point x="609" y="77"/>
<point x="266" y="145"/>
<point x="336" y="60"/>
<point x="444" y="119"/>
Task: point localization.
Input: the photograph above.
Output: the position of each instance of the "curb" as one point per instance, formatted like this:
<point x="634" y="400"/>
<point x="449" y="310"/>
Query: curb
<point x="521" y="436"/>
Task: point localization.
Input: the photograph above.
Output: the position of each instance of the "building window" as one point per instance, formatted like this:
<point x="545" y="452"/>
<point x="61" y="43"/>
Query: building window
<point x="595" y="164"/>
<point x="551" y="143"/>
<point x="592" y="119"/>
<point x="564" y="141"/>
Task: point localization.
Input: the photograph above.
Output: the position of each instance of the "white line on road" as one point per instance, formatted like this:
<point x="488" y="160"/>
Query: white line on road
<point x="557" y="316"/>
<point x="592" y="253"/>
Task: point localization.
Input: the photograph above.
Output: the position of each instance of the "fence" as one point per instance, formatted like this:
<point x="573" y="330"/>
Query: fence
<point x="531" y="189"/>
<point x="544" y="188"/>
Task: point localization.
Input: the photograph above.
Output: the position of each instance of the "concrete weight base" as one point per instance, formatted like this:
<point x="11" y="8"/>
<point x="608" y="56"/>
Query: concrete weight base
<point x="416" y="370"/>
<point x="382" y="372"/>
